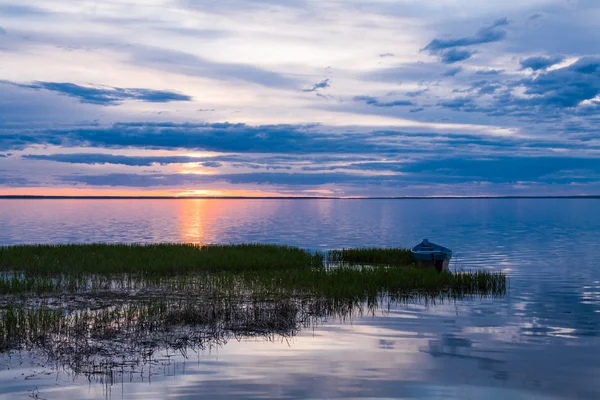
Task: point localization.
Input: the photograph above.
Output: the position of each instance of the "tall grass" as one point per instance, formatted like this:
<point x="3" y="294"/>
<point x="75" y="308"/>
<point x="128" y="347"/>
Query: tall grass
<point x="372" y="255"/>
<point x="343" y="281"/>
<point x="155" y="259"/>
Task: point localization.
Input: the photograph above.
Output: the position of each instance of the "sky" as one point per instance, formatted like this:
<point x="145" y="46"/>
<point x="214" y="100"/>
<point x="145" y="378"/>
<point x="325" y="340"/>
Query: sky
<point x="341" y="98"/>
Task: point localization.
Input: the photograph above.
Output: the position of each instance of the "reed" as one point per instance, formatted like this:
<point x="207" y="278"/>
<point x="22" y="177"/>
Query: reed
<point x="356" y="282"/>
<point x="372" y="255"/>
<point x="100" y="308"/>
<point x="154" y="259"/>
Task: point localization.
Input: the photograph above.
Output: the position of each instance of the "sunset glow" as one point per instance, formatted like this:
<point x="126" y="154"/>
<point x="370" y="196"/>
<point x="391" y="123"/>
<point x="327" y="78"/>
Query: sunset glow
<point x="296" y="98"/>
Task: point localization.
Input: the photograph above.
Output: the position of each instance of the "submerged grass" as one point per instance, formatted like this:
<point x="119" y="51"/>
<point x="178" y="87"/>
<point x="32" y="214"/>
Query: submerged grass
<point x="372" y="255"/>
<point x="154" y="259"/>
<point x="340" y="282"/>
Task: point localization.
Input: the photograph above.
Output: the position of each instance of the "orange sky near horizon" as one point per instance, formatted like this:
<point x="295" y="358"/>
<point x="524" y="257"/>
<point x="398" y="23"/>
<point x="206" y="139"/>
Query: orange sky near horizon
<point x="45" y="191"/>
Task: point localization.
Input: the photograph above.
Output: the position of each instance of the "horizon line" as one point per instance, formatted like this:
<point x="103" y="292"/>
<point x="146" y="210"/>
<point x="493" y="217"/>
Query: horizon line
<point x="42" y="197"/>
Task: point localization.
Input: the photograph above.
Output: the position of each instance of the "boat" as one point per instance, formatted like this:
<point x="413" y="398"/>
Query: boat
<point x="431" y="254"/>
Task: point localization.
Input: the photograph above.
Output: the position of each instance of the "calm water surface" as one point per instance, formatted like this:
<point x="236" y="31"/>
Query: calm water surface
<point x="542" y="340"/>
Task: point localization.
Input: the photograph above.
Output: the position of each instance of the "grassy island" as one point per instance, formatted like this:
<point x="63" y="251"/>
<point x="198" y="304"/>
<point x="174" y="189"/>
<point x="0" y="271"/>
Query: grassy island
<point x="348" y="272"/>
<point x="98" y="307"/>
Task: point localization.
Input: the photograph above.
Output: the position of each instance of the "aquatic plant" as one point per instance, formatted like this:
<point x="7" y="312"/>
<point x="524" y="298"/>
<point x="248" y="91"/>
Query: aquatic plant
<point x="372" y="255"/>
<point x="356" y="282"/>
<point x="158" y="259"/>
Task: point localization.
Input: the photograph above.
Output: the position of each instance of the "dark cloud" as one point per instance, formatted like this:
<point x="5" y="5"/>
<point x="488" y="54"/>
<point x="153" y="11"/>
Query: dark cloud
<point x="13" y="181"/>
<point x="452" y="71"/>
<point x="270" y="145"/>
<point x="2" y="31"/>
<point x="99" y="158"/>
<point x="536" y="63"/>
<point x="489" y="34"/>
<point x="269" y="178"/>
<point x="481" y="87"/>
<point x="416" y="110"/>
<point x="508" y="169"/>
<point x="564" y="87"/>
<point x="551" y="95"/>
<point x="458" y="103"/>
<point x="258" y="161"/>
<point x="455" y="55"/>
<point x="372" y="101"/>
<point x="221" y="137"/>
<point x="417" y="93"/>
<point x="105" y="95"/>
<point x="321" y="85"/>
<point x="382" y="55"/>
<point x="212" y="164"/>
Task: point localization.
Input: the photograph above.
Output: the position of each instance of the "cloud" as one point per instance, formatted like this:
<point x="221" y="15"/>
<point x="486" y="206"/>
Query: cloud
<point x="220" y="137"/>
<point x="99" y="158"/>
<point x="15" y="10"/>
<point x="508" y="169"/>
<point x="261" y="178"/>
<point x="489" y="34"/>
<point x="536" y="63"/>
<point x="212" y="164"/>
<point x="564" y="87"/>
<point x="458" y="103"/>
<point x="254" y="161"/>
<point x="536" y="16"/>
<point x="435" y="171"/>
<point x="321" y="85"/>
<point x="547" y="96"/>
<point x="418" y="72"/>
<point x="188" y="64"/>
<point x="455" y="55"/>
<point x="416" y="93"/>
<point x="382" y="55"/>
<point x="489" y="71"/>
<point x="372" y="101"/>
<point x="105" y="96"/>
<point x="2" y="31"/>
<point x="482" y="87"/>
<point x="452" y="71"/>
<point x="14" y="181"/>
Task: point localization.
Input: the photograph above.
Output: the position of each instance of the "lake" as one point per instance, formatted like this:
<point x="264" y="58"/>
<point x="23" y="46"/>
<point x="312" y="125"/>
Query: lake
<point x="540" y="341"/>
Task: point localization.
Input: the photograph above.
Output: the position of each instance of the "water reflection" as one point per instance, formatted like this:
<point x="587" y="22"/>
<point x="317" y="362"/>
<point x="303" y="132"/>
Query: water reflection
<point x="540" y="341"/>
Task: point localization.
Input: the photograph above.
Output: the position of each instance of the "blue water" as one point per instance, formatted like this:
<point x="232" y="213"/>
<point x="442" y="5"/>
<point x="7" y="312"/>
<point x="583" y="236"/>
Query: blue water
<point x="542" y="340"/>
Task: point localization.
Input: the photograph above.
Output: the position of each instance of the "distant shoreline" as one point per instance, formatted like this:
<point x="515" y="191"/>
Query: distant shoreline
<point x="24" y="197"/>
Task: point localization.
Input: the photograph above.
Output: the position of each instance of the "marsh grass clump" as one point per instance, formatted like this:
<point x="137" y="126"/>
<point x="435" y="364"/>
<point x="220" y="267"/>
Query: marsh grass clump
<point x="372" y="255"/>
<point x="100" y="308"/>
<point x="368" y="283"/>
<point x="153" y="259"/>
<point x="344" y="281"/>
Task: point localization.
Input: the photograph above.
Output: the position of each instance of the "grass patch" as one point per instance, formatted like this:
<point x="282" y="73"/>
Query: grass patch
<point x="101" y="308"/>
<point x="356" y="283"/>
<point x="372" y="255"/>
<point x="193" y="270"/>
<point x="155" y="259"/>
